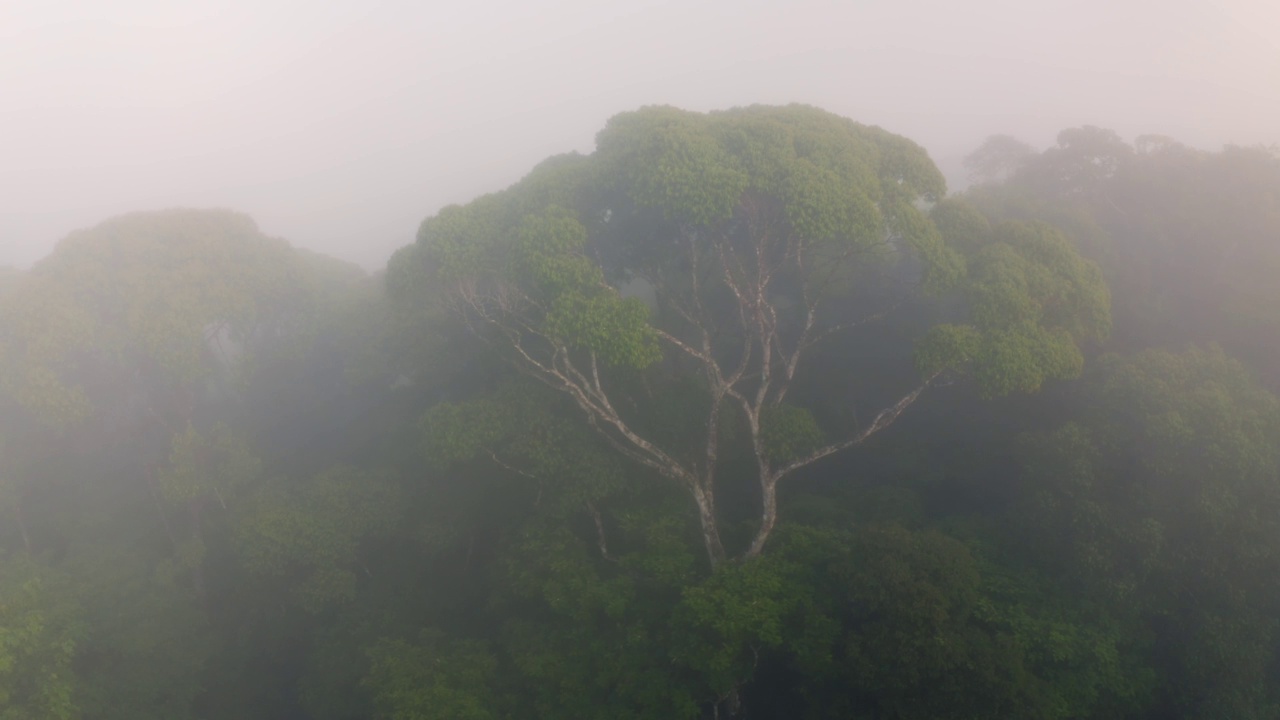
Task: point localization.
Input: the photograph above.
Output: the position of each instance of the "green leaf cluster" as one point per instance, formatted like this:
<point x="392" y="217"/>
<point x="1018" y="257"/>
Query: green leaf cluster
<point x="312" y="532"/>
<point x="1033" y="304"/>
<point x="432" y="679"/>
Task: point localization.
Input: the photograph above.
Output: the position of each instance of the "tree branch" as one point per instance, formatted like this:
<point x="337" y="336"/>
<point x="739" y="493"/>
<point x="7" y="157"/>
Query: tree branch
<point x="884" y="419"/>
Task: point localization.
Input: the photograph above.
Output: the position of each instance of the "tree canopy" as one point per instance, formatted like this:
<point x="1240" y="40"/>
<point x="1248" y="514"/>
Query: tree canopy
<point x="739" y="415"/>
<point x="758" y="233"/>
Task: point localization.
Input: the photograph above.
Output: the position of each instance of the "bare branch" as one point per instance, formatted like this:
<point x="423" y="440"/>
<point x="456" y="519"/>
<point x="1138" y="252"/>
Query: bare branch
<point x="884" y="419"/>
<point x="834" y="329"/>
<point x="506" y="466"/>
<point x="793" y="360"/>
<point x="681" y="345"/>
<point x="561" y="374"/>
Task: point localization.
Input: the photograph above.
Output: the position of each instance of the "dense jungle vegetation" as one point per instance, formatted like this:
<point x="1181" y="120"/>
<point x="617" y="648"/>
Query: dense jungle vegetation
<point x="742" y="415"/>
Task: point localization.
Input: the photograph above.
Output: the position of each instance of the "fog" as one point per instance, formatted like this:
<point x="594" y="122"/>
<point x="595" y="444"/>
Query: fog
<point x="341" y="125"/>
<point x="968" y="409"/>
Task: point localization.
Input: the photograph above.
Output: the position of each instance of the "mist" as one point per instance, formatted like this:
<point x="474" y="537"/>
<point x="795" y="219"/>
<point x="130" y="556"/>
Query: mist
<point x="341" y="126"/>
<point x="650" y="361"/>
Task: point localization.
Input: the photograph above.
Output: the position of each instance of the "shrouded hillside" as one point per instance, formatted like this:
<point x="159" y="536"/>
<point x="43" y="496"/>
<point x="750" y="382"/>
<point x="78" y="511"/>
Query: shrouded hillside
<point x="737" y="416"/>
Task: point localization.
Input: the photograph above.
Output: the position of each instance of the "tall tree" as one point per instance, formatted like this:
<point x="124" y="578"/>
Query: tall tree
<point x="998" y="158"/>
<point x="726" y="248"/>
<point x="145" y="327"/>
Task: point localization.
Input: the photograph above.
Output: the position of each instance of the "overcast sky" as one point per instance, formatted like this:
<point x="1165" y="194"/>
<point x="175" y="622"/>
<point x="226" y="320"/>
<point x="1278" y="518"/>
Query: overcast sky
<point x="341" y="124"/>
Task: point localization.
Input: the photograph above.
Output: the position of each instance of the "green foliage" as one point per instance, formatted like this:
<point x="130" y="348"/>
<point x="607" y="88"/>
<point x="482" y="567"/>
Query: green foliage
<point x="961" y="225"/>
<point x="39" y="634"/>
<point x="905" y="624"/>
<point x="550" y="252"/>
<point x="946" y="346"/>
<point x="598" y="641"/>
<point x="148" y="643"/>
<point x="454" y="433"/>
<point x="672" y="161"/>
<point x="910" y="596"/>
<point x="552" y="564"/>
<point x="313" y="533"/>
<point x="567" y="290"/>
<point x="333" y="686"/>
<point x="155" y="288"/>
<point x="244" y="481"/>
<point x="218" y="463"/>
<point x="1022" y="359"/>
<point x="999" y="157"/>
<point x="432" y="679"/>
<point x="1033" y="301"/>
<point x="1196" y="412"/>
<point x="789" y="432"/>
<point x="1076" y="666"/>
<point x="832" y="178"/>
<point x="844" y="191"/>
<point x="1169" y="492"/>
<point x="614" y="329"/>
<point x="660" y="531"/>
<point x="725" y="622"/>
<point x="944" y="268"/>
<point x="1033" y="273"/>
<point x="41" y="327"/>
<point x="399" y="322"/>
<point x="1185" y="237"/>
<point x="522" y="426"/>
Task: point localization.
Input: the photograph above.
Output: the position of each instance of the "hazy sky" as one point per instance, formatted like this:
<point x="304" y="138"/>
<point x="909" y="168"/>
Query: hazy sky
<point x="341" y="124"/>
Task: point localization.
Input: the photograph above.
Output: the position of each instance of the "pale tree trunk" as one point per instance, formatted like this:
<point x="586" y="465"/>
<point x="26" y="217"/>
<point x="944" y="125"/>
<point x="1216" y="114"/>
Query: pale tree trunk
<point x="731" y="704"/>
<point x="602" y="542"/>
<point x="769" y="478"/>
<point x="758" y="380"/>
<point x="704" y="497"/>
<point x="768" y="515"/>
